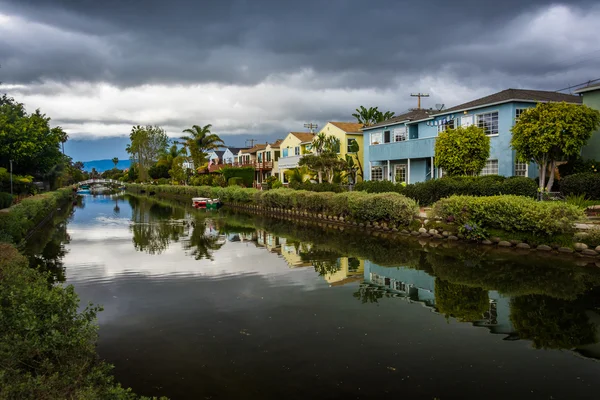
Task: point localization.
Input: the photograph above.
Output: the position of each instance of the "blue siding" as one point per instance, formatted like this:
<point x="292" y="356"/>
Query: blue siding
<point x="421" y="142"/>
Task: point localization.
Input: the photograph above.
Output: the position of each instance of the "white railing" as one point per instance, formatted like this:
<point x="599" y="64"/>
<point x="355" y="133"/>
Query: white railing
<point x="289" y="162"/>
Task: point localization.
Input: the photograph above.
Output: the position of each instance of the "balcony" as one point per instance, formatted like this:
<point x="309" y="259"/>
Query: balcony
<point x="411" y="148"/>
<point x="289" y="162"/>
<point x="263" y="165"/>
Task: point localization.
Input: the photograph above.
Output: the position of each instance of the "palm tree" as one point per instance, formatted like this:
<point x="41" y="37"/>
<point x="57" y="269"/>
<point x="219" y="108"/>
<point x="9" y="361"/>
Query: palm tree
<point x="115" y="161"/>
<point x="200" y="141"/>
<point x="319" y="142"/>
<point x="298" y="175"/>
<point x="371" y="115"/>
<point x="62" y="136"/>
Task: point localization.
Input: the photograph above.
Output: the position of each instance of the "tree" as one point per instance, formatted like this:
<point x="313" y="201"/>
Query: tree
<point x="200" y="141"/>
<point x="147" y="144"/>
<point x="62" y="136"/>
<point x="550" y="132"/>
<point x="27" y="140"/>
<point x="298" y="175"/>
<point x="462" y="302"/>
<point x="115" y="161"/>
<point x="328" y="163"/>
<point x="462" y="151"/>
<point x="354" y="164"/>
<point x="177" y="172"/>
<point x="371" y="116"/>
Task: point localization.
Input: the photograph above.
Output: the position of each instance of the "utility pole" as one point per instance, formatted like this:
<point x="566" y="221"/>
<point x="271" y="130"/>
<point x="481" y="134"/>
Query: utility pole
<point x="311" y="126"/>
<point x="419" y="95"/>
<point x="251" y="142"/>
<point x="11" y="182"/>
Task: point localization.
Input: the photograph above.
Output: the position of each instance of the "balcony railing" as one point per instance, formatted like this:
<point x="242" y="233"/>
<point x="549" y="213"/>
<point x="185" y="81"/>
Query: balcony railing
<point x="289" y="162"/>
<point x="263" y="165"/>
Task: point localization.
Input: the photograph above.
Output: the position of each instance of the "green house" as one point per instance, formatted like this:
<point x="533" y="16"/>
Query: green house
<point x="591" y="98"/>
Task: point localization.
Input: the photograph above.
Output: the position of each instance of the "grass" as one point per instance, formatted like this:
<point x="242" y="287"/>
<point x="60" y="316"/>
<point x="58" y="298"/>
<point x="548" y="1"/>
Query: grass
<point x="581" y="201"/>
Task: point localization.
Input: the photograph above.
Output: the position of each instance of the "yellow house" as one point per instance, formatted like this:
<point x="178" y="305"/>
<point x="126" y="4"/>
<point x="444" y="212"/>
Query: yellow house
<point x="292" y="148"/>
<point x="351" y="270"/>
<point x="267" y="161"/>
<point x="346" y="132"/>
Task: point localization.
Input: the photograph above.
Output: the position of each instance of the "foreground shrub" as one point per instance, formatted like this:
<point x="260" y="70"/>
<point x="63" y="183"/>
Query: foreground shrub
<point x="587" y="184"/>
<point x="317" y="187"/>
<point x="509" y="213"/>
<point x="390" y="207"/>
<point x="47" y="346"/>
<point x="6" y="200"/>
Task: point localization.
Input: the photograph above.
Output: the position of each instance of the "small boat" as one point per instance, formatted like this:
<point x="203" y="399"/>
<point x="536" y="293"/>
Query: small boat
<point x="206" y="203"/>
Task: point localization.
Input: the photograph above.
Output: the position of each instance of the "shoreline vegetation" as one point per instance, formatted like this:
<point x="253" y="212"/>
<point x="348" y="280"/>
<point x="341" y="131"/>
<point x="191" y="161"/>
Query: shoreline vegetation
<point x="502" y="221"/>
<point x="47" y="345"/>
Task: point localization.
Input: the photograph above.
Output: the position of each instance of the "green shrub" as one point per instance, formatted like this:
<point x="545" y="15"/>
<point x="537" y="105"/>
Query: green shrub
<point x="317" y="187"/>
<point x="585" y="183"/>
<point x="389" y="207"/>
<point x="509" y="213"/>
<point x="47" y="345"/>
<point x="591" y="237"/>
<point x="21" y="218"/>
<point x="6" y="200"/>
<point x="577" y="165"/>
<point x="235" y="181"/>
<point x="246" y="173"/>
<point x="427" y="193"/>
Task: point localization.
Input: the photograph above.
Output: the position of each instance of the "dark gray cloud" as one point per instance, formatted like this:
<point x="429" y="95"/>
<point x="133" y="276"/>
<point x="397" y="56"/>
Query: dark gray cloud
<point x="346" y="43"/>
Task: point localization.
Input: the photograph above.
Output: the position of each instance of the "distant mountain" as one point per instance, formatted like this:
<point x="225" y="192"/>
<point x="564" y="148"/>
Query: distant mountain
<point x="103" y="165"/>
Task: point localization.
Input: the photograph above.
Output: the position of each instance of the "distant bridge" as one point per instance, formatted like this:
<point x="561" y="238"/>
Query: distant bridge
<point x="94" y="181"/>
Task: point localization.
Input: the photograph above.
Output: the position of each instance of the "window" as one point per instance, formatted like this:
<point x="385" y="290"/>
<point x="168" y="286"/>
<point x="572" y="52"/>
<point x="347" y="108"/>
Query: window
<point x="521" y="168"/>
<point x="336" y="147"/>
<point x="466" y="120"/>
<point x="491" y="168"/>
<point x="260" y="157"/>
<point x="400" y="173"/>
<point x="297" y="150"/>
<point x="386" y="136"/>
<point x="376" y="138"/>
<point x="446" y="125"/>
<point x="268" y="155"/>
<point x="376" y="173"/>
<point x="400" y="134"/>
<point x="277" y="155"/>
<point x="349" y="144"/>
<point x="489" y="122"/>
<point x="518" y="113"/>
<point x="285" y="152"/>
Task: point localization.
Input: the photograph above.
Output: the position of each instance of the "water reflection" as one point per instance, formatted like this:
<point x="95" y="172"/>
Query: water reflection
<point x="205" y="278"/>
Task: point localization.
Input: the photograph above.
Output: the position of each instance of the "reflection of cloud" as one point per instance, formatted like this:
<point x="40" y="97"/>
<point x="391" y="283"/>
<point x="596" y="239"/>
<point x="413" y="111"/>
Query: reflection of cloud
<point x="113" y="220"/>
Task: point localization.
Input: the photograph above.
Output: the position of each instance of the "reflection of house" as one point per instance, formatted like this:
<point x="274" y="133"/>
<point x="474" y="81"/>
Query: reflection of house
<point x="350" y="270"/>
<point x="269" y="241"/>
<point x="290" y="251"/>
<point x="419" y="286"/>
<point x="292" y="148"/>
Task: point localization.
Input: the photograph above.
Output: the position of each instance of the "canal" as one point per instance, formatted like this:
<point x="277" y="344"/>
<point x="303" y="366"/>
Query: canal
<point x="228" y="305"/>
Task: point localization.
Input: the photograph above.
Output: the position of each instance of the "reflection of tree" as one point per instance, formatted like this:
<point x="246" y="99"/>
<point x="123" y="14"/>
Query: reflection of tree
<point x="369" y="294"/>
<point x="552" y="323"/>
<point x="153" y="228"/>
<point x="326" y="262"/>
<point x="459" y="301"/>
<point x="202" y="244"/>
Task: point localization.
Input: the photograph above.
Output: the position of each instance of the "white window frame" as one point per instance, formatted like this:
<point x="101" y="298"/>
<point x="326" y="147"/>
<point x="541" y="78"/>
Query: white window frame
<point x="297" y="150"/>
<point x="489" y="168"/>
<point x="400" y="167"/>
<point x="379" y="168"/>
<point x="518" y="112"/>
<point x="390" y="132"/>
<point x="443" y="127"/>
<point x="467" y="120"/>
<point x="376" y="138"/>
<point x="400" y="134"/>
<point x="348" y="144"/>
<point x="517" y="172"/>
<point x="478" y="116"/>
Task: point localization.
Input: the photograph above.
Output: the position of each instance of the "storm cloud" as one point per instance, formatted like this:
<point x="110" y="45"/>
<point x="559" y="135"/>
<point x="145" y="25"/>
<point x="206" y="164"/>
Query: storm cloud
<point x="262" y="66"/>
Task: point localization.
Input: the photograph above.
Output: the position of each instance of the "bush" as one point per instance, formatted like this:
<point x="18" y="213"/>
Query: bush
<point x="235" y="181"/>
<point x="427" y="193"/>
<point x="587" y="184"/>
<point x="577" y="165"/>
<point x="6" y="200"/>
<point x="48" y="346"/>
<point x="389" y="207"/>
<point x="24" y="216"/>
<point x="317" y="187"/>
<point x="246" y="173"/>
<point x="509" y="213"/>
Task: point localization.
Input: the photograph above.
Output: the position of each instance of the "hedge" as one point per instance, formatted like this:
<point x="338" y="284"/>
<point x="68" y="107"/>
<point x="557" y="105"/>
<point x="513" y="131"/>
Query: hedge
<point x="587" y="184"/>
<point x="317" y="187"/>
<point x="21" y="218"/>
<point x="391" y="208"/>
<point x="509" y="213"/>
<point x="427" y="193"/>
<point x="48" y="346"/>
<point x="6" y="200"/>
<point x="246" y="173"/>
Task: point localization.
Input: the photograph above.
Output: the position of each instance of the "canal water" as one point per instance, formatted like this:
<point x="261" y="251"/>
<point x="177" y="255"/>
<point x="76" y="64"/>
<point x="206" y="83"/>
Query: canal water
<point x="231" y="306"/>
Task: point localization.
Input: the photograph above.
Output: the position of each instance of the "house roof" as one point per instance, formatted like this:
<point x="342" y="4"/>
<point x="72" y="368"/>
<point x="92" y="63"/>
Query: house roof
<point x="219" y="153"/>
<point x="509" y="95"/>
<point x="276" y="144"/>
<point x="352" y="127"/>
<point x="254" y="149"/>
<point x="304" y="136"/>
<point x="236" y="150"/>
<point x="409" y="116"/>
<point x="588" y="88"/>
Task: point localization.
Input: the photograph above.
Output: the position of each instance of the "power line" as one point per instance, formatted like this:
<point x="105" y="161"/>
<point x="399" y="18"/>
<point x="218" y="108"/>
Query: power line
<point x="419" y="95"/>
<point x="579" y="84"/>
<point x="311" y="126"/>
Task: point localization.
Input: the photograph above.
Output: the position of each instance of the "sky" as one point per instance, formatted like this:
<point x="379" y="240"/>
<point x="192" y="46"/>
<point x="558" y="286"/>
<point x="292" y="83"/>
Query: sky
<point x="262" y="68"/>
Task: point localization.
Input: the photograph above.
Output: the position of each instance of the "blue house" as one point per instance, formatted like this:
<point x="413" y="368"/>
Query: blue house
<point x="401" y="149"/>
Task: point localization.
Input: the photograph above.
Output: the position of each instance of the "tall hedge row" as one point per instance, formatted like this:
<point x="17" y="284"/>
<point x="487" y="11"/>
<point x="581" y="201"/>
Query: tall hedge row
<point x="427" y="193"/>
<point x="587" y="184"/>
